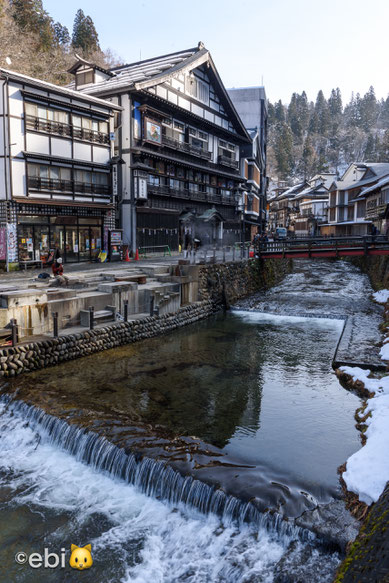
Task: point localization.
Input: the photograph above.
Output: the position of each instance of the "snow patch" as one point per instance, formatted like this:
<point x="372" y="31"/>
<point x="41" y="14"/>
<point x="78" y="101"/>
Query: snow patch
<point x="382" y="296"/>
<point x="368" y="469"/>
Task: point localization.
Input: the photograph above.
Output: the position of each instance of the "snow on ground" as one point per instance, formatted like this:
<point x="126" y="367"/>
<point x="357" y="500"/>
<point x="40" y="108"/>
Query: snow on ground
<point x="381" y="296"/>
<point x="368" y="469"/>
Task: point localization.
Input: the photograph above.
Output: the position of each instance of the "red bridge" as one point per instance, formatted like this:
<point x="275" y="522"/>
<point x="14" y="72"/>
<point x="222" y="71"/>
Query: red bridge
<point x="325" y="247"/>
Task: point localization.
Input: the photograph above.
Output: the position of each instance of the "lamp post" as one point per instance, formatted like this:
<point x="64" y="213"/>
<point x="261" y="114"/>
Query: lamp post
<point x="241" y="208"/>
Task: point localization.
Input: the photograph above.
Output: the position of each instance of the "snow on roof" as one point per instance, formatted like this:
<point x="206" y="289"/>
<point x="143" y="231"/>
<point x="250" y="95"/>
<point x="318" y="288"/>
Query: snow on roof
<point x="132" y="73"/>
<point x="58" y="89"/>
<point x="383" y="182"/>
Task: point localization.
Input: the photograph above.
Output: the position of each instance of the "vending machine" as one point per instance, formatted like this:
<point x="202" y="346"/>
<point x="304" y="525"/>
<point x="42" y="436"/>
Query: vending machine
<point x="115" y="243"/>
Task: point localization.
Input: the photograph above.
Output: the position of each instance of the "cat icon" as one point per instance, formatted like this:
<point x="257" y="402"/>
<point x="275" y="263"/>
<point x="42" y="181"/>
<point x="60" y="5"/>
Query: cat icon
<point x="81" y="557"/>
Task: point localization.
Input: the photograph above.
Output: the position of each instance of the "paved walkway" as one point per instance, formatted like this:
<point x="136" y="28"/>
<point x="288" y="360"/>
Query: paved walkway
<point x="201" y="256"/>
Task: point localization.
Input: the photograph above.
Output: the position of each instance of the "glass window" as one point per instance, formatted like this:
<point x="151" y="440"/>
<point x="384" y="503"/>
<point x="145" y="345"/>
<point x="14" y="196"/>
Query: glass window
<point x="76" y="120"/>
<point x="61" y="116"/>
<point x="86" y="123"/>
<point x="65" y="174"/>
<point x="31" y="109"/>
<point x="43" y="171"/>
<point x="103" y="127"/>
<point x="42" y="112"/>
<point x="54" y="173"/>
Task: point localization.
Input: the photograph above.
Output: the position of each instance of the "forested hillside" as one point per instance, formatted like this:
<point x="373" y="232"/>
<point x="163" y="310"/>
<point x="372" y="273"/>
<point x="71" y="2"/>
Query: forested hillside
<point x="33" y="44"/>
<point x="306" y="137"/>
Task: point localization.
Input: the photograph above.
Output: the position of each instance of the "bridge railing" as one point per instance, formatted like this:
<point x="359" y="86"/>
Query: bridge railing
<point x="321" y="243"/>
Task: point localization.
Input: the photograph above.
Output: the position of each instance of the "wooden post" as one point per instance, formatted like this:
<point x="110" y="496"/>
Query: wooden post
<point x="125" y="310"/>
<point x="91" y="317"/>
<point x="14" y="332"/>
<point x="55" y="324"/>
<point x="151" y="305"/>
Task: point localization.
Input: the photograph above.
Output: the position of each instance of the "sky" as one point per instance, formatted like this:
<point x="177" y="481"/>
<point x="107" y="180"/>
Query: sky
<point x="286" y="45"/>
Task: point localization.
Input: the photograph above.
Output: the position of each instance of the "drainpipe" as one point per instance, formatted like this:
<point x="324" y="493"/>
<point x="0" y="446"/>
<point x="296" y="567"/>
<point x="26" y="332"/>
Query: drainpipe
<point x="6" y="148"/>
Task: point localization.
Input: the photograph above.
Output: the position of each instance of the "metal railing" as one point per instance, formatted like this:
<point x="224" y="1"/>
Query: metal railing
<point x="155" y="249"/>
<point x="322" y="244"/>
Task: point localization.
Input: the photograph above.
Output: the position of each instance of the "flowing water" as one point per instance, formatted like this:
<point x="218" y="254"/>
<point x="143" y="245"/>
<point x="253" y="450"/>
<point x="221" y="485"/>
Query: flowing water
<point x="246" y="401"/>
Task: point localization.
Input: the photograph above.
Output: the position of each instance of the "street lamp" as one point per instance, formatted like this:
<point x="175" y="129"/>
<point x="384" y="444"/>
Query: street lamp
<point x="241" y="208"/>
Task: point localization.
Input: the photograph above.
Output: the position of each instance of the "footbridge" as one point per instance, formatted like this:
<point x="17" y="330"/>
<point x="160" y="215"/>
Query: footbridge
<point x="324" y="247"/>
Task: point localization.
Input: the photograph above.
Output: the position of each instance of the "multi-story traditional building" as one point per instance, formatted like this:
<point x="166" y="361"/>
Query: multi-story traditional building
<point x="56" y="188"/>
<point x="347" y="210"/>
<point x="311" y="206"/>
<point x="376" y="199"/>
<point x="283" y="206"/>
<point x="250" y="103"/>
<point x="179" y="141"/>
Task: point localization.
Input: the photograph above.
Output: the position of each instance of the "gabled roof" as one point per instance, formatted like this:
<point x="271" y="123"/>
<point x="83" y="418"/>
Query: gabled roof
<point x="312" y="191"/>
<point x="383" y="182"/>
<point x="150" y="72"/>
<point x="80" y="61"/>
<point x="373" y="171"/>
<point x="293" y="190"/>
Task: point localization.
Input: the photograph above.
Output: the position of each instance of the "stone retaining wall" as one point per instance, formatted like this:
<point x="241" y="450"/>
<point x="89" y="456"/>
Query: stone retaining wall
<point x="228" y="282"/>
<point x="44" y="353"/>
<point x="376" y="267"/>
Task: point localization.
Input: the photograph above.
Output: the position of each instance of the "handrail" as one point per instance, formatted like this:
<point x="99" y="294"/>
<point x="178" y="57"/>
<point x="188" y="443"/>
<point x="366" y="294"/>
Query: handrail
<point x="40" y="124"/>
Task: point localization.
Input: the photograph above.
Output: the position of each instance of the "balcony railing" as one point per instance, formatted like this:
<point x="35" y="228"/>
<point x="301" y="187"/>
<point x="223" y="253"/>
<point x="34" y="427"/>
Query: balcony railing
<point x="185" y="147"/>
<point x="226" y="161"/>
<point x="67" y="186"/>
<point x="191" y="195"/>
<point x="63" y="129"/>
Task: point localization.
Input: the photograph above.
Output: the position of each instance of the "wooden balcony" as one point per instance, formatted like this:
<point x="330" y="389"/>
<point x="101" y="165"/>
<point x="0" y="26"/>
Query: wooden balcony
<point x="226" y="161"/>
<point x="186" y="148"/>
<point x="67" y="186"/>
<point x="57" y="128"/>
<point x="190" y="195"/>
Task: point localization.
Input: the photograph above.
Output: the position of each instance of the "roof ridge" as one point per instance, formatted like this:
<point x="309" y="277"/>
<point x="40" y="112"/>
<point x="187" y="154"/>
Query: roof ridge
<point x="194" y="49"/>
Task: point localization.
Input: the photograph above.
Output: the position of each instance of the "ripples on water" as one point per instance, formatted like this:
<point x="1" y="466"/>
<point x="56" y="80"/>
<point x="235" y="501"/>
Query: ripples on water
<point x="48" y="499"/>
<point x="259" y="388"/>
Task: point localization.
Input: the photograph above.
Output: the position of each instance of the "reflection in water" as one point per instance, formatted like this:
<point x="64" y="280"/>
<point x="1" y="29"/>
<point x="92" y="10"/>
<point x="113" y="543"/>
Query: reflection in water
<point x="259" y="388"/>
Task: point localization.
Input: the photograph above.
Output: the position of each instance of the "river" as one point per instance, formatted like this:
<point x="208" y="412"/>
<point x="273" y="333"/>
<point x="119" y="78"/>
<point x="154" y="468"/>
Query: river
<point x="244" y="403"/>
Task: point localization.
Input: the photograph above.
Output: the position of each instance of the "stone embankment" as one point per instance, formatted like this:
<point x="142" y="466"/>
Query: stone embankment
<point x="44" y="353"/>
<point x="217" y="285"/>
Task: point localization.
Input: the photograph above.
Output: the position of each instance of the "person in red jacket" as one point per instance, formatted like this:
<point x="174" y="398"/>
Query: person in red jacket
<point x="57" y="267"/>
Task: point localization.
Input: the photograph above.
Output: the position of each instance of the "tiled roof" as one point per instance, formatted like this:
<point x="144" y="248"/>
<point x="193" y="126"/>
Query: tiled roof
<point x="133" y="73"/>
<point x="51" y="87"/>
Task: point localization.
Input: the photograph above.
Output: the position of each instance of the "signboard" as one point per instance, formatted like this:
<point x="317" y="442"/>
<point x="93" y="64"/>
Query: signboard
<point x="115" y="180"/>
<point x="112" y="136"/>
<point x="140" y="185"/>
<point x="116" y="237"/>
<point x="12" y="247"/>
<point x="3" y="243"/>
<point x="153" y="131"/>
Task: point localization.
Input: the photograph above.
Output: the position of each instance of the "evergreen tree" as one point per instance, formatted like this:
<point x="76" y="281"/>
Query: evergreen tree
<point x="369" y="110"/>
<point x="283" y="149"/>
<point x="61" y="34"/>
<point x="85" y="37"/>
<point x="279" y="112"/>
<point x="30" y="16"/>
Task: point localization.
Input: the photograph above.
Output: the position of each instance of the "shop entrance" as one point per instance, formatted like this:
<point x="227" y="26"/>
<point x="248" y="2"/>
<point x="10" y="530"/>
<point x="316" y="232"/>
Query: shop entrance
<point x="75" y="238"/>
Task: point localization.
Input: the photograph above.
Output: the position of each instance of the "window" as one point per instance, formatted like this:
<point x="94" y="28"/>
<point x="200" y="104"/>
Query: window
<point x="153" y="180"/>
<point x="197" y="88"/>
<point x="174" y="130"/>
<point x="85" y="78"/>
<point x="198" y="139"/>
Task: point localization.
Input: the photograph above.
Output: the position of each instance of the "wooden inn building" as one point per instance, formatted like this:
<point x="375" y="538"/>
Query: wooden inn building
<point x="180" y="173"/>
